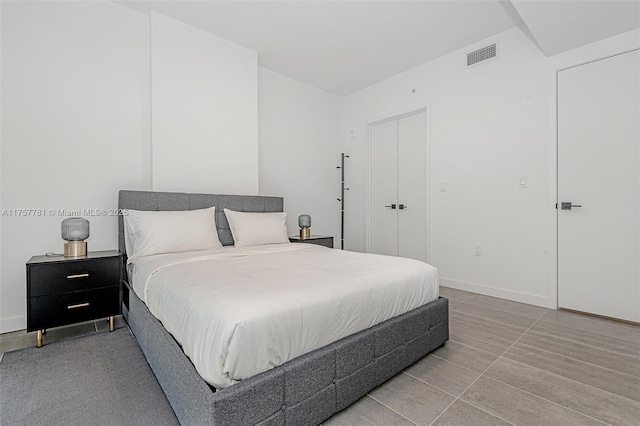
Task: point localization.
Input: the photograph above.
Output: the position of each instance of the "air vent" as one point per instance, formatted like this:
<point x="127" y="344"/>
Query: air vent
<point x="481" y="55"/>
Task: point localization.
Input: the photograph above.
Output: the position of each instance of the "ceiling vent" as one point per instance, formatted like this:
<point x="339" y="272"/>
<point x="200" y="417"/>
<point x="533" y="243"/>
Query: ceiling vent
<point x="482" y="55"/>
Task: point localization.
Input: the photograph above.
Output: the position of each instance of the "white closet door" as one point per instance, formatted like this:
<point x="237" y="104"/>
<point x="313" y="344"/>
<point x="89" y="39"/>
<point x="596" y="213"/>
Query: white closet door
<point x="384" y="185"/>
<point x="598" y="168"/>
<point x="412" y="190"/>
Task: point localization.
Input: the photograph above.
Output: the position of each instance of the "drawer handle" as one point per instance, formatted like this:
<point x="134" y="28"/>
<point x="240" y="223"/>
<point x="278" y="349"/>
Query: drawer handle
<point x="70" y="277"/>
<point x="79" y="305"/>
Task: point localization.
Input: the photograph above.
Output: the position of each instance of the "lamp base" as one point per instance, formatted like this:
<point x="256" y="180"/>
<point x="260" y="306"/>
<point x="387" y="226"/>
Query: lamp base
<point x="75" y="249"/>
<point x="305" y="232"/>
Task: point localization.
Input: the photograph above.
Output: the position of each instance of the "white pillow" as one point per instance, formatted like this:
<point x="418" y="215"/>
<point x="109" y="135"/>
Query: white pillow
<point x="152" y="232"/>
<point x="253" y="229"/>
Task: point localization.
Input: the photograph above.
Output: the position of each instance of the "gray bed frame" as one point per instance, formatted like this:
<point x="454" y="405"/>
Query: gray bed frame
<point x="304" y="391"/>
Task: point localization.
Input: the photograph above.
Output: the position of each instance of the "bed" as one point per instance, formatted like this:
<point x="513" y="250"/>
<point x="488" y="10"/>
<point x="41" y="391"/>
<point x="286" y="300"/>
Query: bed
<point x="304" y="390"/>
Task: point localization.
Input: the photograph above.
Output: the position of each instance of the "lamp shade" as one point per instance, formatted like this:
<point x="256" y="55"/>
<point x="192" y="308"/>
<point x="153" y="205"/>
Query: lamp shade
<point x="304" y="221"/>
<point x="75" y="229"/>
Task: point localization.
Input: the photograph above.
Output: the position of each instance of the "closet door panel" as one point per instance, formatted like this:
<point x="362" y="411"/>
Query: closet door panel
<point x="384" y="184"/>
<point x="412" y="187"/>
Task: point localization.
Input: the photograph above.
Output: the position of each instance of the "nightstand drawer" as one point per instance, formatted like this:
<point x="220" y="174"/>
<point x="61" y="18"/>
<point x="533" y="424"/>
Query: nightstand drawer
<point x="68" y="308"/>
<point x="327" y="242"/>
<point x="64" y="277"/>
<point x="319" y="240"/>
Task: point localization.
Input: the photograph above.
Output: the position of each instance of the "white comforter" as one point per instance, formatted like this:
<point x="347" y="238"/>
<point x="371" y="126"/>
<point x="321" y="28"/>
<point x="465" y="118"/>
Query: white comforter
<point x="240" y="311"/>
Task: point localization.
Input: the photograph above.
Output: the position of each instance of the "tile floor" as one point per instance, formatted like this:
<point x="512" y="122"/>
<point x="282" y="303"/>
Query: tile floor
<point x="505" y="363"/>
<point x="511" y="363"/>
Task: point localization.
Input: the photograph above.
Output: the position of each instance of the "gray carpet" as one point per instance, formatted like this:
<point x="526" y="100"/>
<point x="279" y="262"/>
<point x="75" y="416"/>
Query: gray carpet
<point x="102" y="379"/>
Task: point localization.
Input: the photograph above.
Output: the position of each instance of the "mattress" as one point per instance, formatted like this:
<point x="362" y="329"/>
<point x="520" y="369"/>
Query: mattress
<point x="238" y="312"/>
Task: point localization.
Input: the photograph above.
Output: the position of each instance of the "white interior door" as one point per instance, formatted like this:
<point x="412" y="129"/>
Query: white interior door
<point x="384" y="188"/>
<point x="398" y="210"/>
<point x="598" y="169"/>
<point x="412" y="186"/>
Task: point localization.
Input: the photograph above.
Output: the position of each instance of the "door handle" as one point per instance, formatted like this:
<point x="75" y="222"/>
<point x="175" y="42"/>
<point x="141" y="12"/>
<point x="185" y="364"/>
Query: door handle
<point x="393" y="206"/>
<point x="402" y="207"/>
<point x="566" y="205"/>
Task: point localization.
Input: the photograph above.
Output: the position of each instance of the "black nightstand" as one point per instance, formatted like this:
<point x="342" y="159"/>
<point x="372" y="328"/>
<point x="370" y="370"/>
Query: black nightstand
<point x="65" y="290"/>
<point x="320" y="240"/>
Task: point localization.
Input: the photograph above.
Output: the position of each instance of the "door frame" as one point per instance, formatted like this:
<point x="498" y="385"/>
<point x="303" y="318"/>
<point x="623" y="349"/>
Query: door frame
<point x="562" y="65"/>
<point x="415" y="109"/>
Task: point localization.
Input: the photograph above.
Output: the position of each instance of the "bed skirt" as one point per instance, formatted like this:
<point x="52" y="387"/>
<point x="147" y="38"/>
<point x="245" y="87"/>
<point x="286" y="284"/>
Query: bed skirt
<point x="304" y="391"/>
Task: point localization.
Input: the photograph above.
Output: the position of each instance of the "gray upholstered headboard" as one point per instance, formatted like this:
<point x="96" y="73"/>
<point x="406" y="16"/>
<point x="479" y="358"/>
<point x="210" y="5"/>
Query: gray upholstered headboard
<point x="157" y="201"/>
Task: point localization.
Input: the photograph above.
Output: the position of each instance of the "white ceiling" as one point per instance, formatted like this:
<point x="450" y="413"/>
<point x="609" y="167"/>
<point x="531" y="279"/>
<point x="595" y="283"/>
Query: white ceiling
<point x="559" y="26"/>
<point x="343" y="46"/>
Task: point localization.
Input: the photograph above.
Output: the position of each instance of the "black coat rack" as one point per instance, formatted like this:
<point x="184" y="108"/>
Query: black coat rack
<point x="341" y="199"/>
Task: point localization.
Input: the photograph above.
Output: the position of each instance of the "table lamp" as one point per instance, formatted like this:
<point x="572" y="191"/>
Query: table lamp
<point x="304" y="222"/>
<point x="74" y="231"/>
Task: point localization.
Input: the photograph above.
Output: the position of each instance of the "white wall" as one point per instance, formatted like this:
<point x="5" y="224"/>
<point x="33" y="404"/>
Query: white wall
<point x="299" y="151"/>
<point x="75" y="126"/>
<point x="20" y="320"/>
<point x="204" y="111"/>
<point x="489" y="124"/>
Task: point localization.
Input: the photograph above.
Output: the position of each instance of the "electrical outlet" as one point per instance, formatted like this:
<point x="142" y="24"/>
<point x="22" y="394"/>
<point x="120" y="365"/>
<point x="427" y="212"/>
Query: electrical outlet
<point x="477" y="249"/>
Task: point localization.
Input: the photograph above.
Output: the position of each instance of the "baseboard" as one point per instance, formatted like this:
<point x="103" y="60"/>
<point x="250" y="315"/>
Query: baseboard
<point x="515" y="296"/>
<point x="12" y="324"/>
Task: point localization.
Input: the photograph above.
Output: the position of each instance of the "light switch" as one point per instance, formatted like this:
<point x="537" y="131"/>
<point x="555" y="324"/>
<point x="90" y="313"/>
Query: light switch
<point x="523" y="181"/>
<point x="443" y="186"/>
<point x="352" y="133"/>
